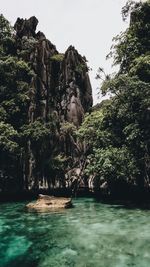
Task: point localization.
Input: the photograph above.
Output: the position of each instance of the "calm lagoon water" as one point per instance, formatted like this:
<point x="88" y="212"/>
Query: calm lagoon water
<point x="89" y="235"/>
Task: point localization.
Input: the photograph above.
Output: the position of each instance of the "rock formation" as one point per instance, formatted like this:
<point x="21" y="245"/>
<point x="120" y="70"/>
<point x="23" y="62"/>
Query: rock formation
<point x="60" y="89"/>
<point x="50" y="203"/>
<point x="61" y="78"/>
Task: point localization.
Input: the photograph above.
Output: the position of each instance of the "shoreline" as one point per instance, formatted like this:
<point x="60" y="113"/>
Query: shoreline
<point x="139" y="200"/>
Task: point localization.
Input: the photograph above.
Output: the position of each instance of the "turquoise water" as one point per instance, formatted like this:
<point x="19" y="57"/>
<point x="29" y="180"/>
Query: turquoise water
<point x="89" y="235"/>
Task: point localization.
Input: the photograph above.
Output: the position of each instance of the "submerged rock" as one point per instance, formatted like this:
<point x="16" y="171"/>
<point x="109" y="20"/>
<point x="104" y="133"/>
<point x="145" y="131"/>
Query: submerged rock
<point x="45" y="202"/>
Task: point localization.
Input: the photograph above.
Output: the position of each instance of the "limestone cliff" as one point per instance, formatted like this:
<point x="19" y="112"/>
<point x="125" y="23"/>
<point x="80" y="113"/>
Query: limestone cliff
<point x="60" y="90"/>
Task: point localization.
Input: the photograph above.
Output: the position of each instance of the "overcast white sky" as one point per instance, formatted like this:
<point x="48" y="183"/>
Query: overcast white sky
<point x="89" y="25"/>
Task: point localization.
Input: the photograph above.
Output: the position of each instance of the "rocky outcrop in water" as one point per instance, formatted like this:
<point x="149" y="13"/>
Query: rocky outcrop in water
<point x="50" y="203"/>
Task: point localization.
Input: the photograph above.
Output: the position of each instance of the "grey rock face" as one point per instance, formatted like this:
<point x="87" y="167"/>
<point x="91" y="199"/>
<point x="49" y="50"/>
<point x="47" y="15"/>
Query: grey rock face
<point x="60" y="86"/>
<point x="65" y="82"/>
<point x="77" y="96"/>
<point x="26" y="27"/>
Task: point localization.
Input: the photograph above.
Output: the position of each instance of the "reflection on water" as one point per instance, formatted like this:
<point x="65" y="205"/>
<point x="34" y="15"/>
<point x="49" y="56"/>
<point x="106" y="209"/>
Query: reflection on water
<point x="89" y="235"/>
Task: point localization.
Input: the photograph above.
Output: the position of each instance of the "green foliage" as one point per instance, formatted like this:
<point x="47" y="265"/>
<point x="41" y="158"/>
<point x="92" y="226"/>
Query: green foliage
<point x="14" y="90"/>
<point x="8" y="138"/>
<point x="15" y="79"/>
<point x="27" y="47"/>
<point x="92" y="130"/>
<point x="112" y="164"/>
<point x="128" y="8"/>
<point x="36" y="131"/>
<point x="68" y="128"/>
<point x="6" y="37"/>
<point x="3" y="114"/>
<point x="57" y="57"/>
<point x="128" y="118"/>
<point x="58" y="163"/>
<point x="134" y="42"/>
<point x="5" y="28"/>
<point x="118" y="132"/>
<point x="141" y="67"/>
<point x="80" y="68"/>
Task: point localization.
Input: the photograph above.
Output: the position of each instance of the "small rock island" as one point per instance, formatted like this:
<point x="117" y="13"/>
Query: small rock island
<point x="45" y="202"/>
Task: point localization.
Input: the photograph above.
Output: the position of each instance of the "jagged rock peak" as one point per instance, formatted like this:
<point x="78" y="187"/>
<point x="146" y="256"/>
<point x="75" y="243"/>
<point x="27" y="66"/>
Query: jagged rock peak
<point x="26" y="27"/>
<point x="74" y="76"/>
<point x="73" y="50"/>
<point x="58" y="76"/>
<point x="74" y="59"/>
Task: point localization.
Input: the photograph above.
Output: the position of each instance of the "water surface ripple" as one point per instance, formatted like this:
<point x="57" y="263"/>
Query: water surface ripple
<point x="89" y="235"/>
